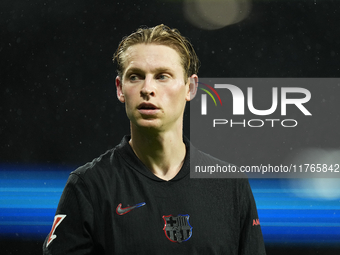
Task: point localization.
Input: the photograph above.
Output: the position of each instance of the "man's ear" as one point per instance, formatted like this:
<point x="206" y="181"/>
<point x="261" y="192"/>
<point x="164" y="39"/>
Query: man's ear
<point x="120" y="94"/>
<point x="193" y="84"/>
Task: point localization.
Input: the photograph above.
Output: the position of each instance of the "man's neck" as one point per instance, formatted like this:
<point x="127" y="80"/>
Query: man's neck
<point x="162" y="153"/>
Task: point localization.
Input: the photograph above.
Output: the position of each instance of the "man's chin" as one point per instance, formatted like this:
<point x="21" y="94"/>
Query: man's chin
<point x="149" y="124"/>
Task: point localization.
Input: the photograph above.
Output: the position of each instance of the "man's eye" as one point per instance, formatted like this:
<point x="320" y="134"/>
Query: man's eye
<point x="133" y="77"/>
<point x="162" y="77"/>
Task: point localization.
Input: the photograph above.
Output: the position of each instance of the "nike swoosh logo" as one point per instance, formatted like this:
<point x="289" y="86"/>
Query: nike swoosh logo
<point x="122" y="211"/>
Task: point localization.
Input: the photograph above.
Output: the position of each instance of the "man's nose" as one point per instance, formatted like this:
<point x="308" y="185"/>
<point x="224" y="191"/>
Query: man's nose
<point x="148" y="86"/>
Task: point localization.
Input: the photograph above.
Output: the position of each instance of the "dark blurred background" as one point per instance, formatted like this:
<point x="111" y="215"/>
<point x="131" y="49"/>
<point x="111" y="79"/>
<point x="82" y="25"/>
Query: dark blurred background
<point x="58" y="102"/>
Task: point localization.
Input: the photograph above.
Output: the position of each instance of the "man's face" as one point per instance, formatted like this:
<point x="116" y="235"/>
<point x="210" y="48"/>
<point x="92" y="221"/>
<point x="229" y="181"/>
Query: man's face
<point x="152" y="87"/>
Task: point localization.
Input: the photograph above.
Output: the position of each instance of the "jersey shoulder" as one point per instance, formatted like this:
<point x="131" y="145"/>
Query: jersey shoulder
<point x="101" y="163"/>
<point x="106" y="167"/>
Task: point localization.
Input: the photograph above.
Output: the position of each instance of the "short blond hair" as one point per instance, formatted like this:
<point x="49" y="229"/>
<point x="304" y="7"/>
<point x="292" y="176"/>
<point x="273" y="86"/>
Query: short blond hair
<point x="161" y="35"/>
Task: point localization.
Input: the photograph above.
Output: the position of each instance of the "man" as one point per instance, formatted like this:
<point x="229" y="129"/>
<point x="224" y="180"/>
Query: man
<point x="138" y="198"/>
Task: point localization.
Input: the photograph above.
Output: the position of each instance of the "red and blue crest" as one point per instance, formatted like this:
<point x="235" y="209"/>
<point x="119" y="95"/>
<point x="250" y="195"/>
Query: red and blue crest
<point x="177" y="228"/>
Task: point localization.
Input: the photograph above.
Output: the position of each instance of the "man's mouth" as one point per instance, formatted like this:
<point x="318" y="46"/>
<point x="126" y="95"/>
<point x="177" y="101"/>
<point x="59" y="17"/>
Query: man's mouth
<point x="148" y="109"/>
<point x="147" y="106"/>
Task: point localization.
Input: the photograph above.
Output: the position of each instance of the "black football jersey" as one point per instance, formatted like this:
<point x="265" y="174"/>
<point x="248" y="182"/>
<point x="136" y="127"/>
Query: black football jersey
<point x="115" y="205"/>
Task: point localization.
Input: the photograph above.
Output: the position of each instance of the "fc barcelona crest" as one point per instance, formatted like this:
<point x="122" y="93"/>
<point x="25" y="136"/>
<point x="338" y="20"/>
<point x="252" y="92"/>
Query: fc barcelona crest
<point x="177" y="228"/>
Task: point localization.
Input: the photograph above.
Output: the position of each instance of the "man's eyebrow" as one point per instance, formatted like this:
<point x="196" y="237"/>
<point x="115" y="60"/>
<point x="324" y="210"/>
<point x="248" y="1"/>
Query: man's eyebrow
<point x="162" y="69"/>
<point x="156" y="70"/>
<point x="133" y="70"/>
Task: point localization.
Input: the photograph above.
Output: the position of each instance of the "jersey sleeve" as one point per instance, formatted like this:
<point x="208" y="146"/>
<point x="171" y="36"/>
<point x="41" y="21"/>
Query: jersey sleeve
<point x="251" y="239"/>
<point x="72" y="229"/>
